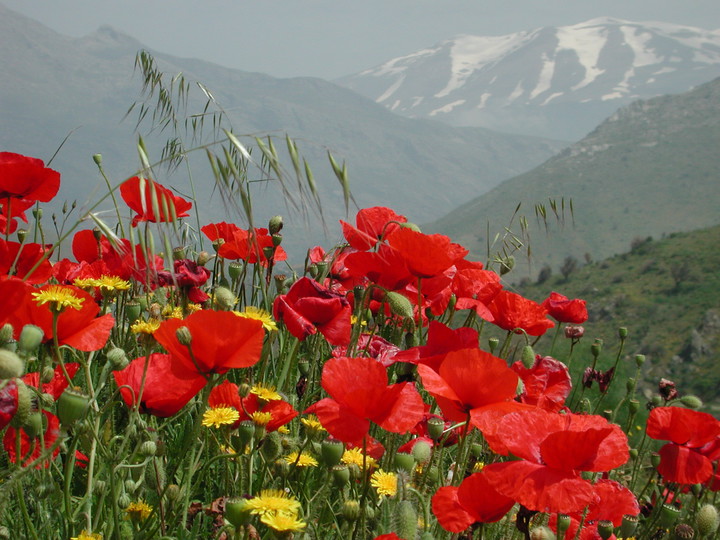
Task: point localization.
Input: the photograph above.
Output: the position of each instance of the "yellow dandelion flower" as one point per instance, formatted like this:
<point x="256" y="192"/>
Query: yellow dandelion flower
<point x="170" y="312"/>
<point x="192" y="308"/>
<point x="112" y="283"/>
<point x="58" y="297"/>
<point x="312" y="423"/>
<point x="301" y="460"/>
<point x="86" y="283"/>
<point x="145" y="327"/>
<point x="282" y="522"/>
<point x="84" y="535"/>
<point x="354" y="320"/>
<point x="220" y="416"/>
<point x="138" y="511"/>
<point x="265" y="393"/>
<point x="252" y="312"/>
<point x="479" y="466"/>
<point x="384" y="482"/>
<point x="261" y="418"/>
<point x="283" y="430"/>
<point x="272" y="501"/>
<point x="354" y="456"/>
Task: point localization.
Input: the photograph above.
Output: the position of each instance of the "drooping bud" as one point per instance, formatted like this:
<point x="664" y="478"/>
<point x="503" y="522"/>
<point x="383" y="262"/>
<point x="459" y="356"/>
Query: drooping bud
<point x="72" y="406"/>
<point x="528" y="356"/>
<point x="183" y="335"/>
<point x="97" y="158"/>
<point x="31" y="337"/>
<point x="148" y="449"/>
<point x="331" y="451"/>
<point x="203" y="258"/>
<point x="11" y="365"/>
<point x="225" y="299"/>
<point x="691" y="402"/>
<point x="574" y="331"/>
<point x="399" y="304"/>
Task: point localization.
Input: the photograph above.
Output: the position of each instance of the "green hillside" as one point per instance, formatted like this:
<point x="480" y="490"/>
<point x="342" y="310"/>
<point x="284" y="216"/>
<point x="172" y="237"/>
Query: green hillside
<point x="653" y="168"/>
<point x="667" y="294"/>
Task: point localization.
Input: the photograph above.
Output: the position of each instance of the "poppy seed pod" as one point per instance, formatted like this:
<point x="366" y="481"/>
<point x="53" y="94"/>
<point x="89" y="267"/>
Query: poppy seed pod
<point x="341" y="474"/>
<point x="668" y="516"/>
<point x="605" y="529"/>
<point x="11" y="365"/>
<point x="405" y="462"/>
<point x="236" y="511"/>
<point x="72" y="406"/>
<point x="622" y="332"/>
<point x="235" y="269"/>
<point x="628" y="526"/>
<point x="683" y="531"/>
<point x="331" y="452"/>
<point x="493" y="344"/>
<point x="435" y="428"/>
<point x="563" y="524"/>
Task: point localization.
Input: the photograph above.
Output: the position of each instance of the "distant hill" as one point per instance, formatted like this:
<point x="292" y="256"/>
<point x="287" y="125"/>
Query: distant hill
<point x="667" y="294"/>
<point x="653" y="168"/>
<point x="53" y="84"/>
<point x="556" y="82"/>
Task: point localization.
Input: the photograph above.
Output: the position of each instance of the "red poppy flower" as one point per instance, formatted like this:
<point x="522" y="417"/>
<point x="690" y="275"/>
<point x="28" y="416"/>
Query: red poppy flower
<point x="226" y="395"/>
<point x="440" y="340"/>
<point x="513" y="312"/>
<point x="688" y="431"/>
<point x="373" y="225"/>
<point x="31" y="449"/>
<point x="152" y="201"/>
<point x="426" y="255"/>
<point x="564" y="310"/>
<point x="11" y="209"/>
<point x="385" y="267"/>
<point x="220" y="340"/>
<point x="57" y="384"/>
<point x="79" y="328"/>
<point x="359" y="394"/>
<point x="19" y="260"/>
<point x="309" y="307"/>
<point x="554" y="449"/>
<point x="23" y="177"/>
<point x="546" y="384"/>
<point x="8" y="403"/>
<point x="473" y="501"/>
<point x="243" y="244"/>
<point x="188" y="275"/>
<point x="372" y="346"/>
<point x="165" y="391"/>
<point x="475" y="288"/>
<point x="471" y="382"/>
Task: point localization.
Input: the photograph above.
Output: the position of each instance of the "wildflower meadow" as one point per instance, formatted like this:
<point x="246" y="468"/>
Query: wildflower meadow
<point x="385" y="387"/>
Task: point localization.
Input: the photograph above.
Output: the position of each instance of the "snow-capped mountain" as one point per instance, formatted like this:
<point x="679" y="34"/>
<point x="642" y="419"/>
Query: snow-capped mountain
<point x="553" y="81"/>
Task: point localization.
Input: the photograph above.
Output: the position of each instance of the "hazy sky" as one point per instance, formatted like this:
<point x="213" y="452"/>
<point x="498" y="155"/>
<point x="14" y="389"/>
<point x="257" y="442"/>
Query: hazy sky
<point x="331" y="38"/>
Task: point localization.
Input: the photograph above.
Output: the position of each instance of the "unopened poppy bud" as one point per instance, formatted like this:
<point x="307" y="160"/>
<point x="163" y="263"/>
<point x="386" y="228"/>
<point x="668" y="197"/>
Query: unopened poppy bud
<point x="217" y="244"/>
<point x="331" y="452"/>
<point x="97" y="158"/>
<point x="24" y="404"/>
<point x="399" y="304"/>
<point x="596" y="347"/>
<point x="155" y="476"/>
<point x="72" y="406"/>
<point x="184" y="336"/>
<point x="33" y="426"/>
<point x="275" y="224"/>
<point x="340" y="474"/>
<point x="237" y="512"/>
<point x="411" y="226"/>
<point x="117" y="358"/>
<point x="271" y="446"/>
<point x="691" y="402"/>
<point x="246" y="431"/>
<point x="235" y="269"/>
<point x="6" y="333"/>
<point x="655" y="401"/>
<point x="351" y="510"/>
<point x="435" y="427"/>
<point x="405" y="462"/>
<point x="622" y="332"/>
<point x="563" y="524"/>
<point x="173" y="493"/>
<point x="707" y="520"/>
<point x="11" y="365"/>
<point x="605" y="529"/>
<point x="422" y="452"/>
<point x="628" y="526"/>
<point x="506" y="265"/>
<point x="528" y="356"/>
<point x="37" y="213"/>
<point x="639" y="359"/>
<point x="493" y="344"/>
<point x="683" y="531"/>
<point x="31" y="337"/>
<point x="179" y="253"/>
<point x="21" y="234"/>
<point x="46" y="400"/>
<point x="224" y="298"/>
<point x="406" y="520"/>
<point x="630" y="385"/>
<point x="203" y="258"/>
<point x="574" y="331"/>
<point x="541" y="533"/>
<point x="148" y="449"/>
<point x="668" y="516"/>
<point x="696" y="489"/>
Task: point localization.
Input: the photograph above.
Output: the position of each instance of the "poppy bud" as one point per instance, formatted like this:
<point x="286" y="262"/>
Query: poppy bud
<point x="30" y="338"/>
<point x="639" y="359"/>
<point x="183" y="336"/>
<point x="622" y="332"/>
<point x="224" y="298"/>
<point x="341" y="474"/>
<point x="148" y="449"/>
<point x="97" y="158"/>
<point x="668" y="515"/>
<point x="406" y="520"/>
<point x="541" y="533"/>
<point x="173" y="493"/>
<point x="528" y="356"/>
<point x="11" y="365"/>
<point x="271" y="446"/>
<point x="246" y="431"/>
<point x="275" y="224"/>
<point x="411" y="226"/>
<point x="24" y="404"/>
<point x="117" y="358"/>
<point x="236" y="511"/>
<point x="33" y="426"/>
<point x="492" y="344"/>
<point x="399" y="304"/>
<point x="203" y="258"/>
<point x="605" y="529"/>
<point x="596" y="347"/>
<point x="37" y="213"/>
<point x="707" y="520"/>
<point x="155" y="474"/>
<point x="6" y="333"/>
<point x="628" y="526"/>
<point x="331" y="452"/>
<point x="683" y="531"/>
<point x="691" y="402"/>
<point x="351" y="510"/>
<point x="99" y="486"/>
<point x="435" y="427"/>
<point x="422" y="451"/>
<point x="405" y="462"/>
<point x="72" y="406"/>
<point x="633" y="453"/>
<point x="47" y="400"/>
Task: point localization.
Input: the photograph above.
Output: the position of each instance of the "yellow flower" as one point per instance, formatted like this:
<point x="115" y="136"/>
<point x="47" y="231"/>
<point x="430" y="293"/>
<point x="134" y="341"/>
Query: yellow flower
<point x="265" y="393"/>
<point x="138" y="511"/>
<point x="282" y="522"/>
<point x="58" y="297"/>
<point x="479" y="466"/>
<point x="301" y="460"/>
<point x="192" y="308"/>
<point x="145" y="327"/>
<point x="272" y="501"/>
<point x="84" y="535"/>
<point x="220" y="416"/>
<point x="170" y="312"/>
<point x="354" y="456"/>
<point x="312" y="423"/>
<point x="105" y="283"/>
<point x="283" y="430"/>
<point x="261" y="418"/>
<point x="384" y="482"/>
<point x="252" y="312"/>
